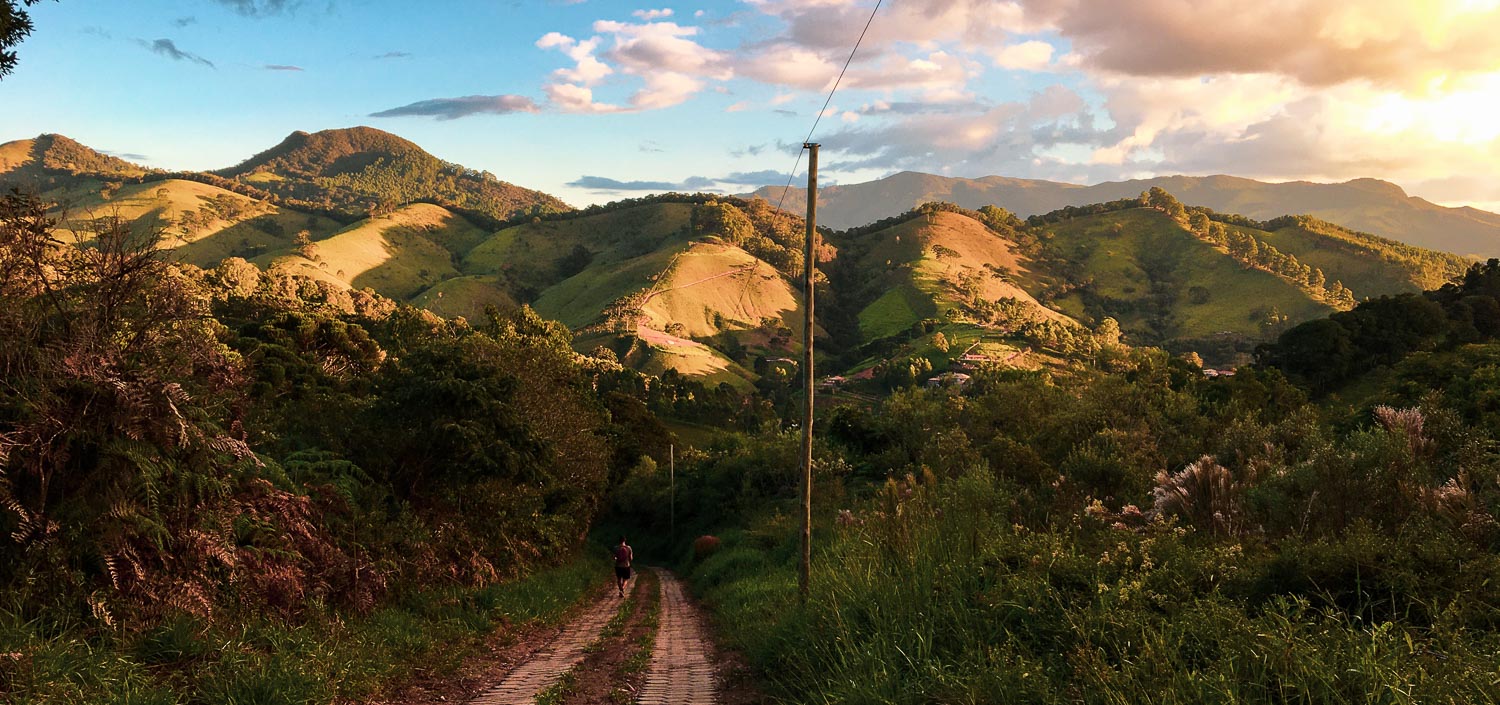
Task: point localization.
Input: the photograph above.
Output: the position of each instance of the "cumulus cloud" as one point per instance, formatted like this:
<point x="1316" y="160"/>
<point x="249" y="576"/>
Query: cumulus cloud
<point x="1321" y="89"/>
<point x="1026" y="56"/>
<point x="650" y="15"/>
<point x="168" y="48"/>
<point x="833" y="25"/>
<point x="1316" y="42"/>
<point x="669" y="65"/>
<point x="184" y="21"/>
<point x="576" y="99"/>
<point x="1336" y="133"/>
<point x="455" y="108"/>
<point x="996" y="139"/>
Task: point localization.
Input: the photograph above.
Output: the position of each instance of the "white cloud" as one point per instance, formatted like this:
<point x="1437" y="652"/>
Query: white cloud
<point x="649" y="15"/>
<point x="576" y="99"/>
<point x="1027" y="56"/>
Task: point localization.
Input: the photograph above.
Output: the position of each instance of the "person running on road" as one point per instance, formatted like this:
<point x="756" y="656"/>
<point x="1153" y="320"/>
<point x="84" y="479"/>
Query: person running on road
<point x="623" y="555"/>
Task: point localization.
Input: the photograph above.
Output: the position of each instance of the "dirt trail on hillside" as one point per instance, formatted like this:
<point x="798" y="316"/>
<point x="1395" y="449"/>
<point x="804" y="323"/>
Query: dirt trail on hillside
<point x="681" y="670"/>
<point x="545" y="667"/>
<point x="587" y="662"/>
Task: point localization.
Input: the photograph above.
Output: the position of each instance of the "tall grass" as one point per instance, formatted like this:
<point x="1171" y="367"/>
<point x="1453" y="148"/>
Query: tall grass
<point x="929" y="594"/>
<point x="329" y="657"/>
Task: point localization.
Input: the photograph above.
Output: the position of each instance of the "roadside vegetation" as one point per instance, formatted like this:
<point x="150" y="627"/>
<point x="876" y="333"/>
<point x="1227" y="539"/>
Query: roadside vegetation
<point x="1130" y="530"/>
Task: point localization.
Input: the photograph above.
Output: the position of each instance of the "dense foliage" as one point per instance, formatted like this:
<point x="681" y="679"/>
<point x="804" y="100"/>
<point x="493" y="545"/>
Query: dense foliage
<point x="1327" y="353"/>
<point x="175" y="441"/>
<point x="1131" y="533"/>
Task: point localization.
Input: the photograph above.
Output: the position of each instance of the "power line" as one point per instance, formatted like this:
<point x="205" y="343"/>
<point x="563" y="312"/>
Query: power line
<point x="827" y="102"/>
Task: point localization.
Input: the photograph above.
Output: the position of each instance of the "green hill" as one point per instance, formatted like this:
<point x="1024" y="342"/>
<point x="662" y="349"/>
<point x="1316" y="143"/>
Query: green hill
<point x="710" y="286"/>
<point x="363" y="170"/>
<point x="1186" y="279"/>
<point x="668" y="283"/>
<point x="1368" y="265"/>
<point x="1161" y="283"/>
<point x="929" y="264"/>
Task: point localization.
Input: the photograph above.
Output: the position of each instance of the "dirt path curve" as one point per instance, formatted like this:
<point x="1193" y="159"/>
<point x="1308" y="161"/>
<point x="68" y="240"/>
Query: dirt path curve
<point x="681" y="672"/>
<point x="546" y="666"/>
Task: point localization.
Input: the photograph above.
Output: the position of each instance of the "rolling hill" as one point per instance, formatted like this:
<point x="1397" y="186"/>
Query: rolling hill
<point x="665" y="284"/>
<point x="1367" y="205"/>
<point x="927" y="265"/>
<point x="710" y="286"/>
<point x="200" y="223"/>
<point x="399" y="255"/>
<point x="1171" y="278"/>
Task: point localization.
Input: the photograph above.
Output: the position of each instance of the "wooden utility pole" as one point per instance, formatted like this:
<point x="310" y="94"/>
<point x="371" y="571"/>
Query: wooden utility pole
<point x="808" y="261"/>
<point x="672" y="485"/>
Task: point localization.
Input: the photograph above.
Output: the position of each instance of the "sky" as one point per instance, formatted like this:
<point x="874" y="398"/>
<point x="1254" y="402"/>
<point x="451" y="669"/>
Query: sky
<point x="597" y="100"/>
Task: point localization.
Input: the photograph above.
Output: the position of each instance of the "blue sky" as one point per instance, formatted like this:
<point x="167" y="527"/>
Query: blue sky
<point x="570" y="97"/>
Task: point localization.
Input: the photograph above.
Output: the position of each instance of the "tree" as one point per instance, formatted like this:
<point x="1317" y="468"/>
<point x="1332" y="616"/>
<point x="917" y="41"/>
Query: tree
<point x="15" y="26"/>
<point x="1108" y="333"/>
<point x="1199" y="223"/>
<point x="1317" y="279"/>
<point x="940" y="342"/>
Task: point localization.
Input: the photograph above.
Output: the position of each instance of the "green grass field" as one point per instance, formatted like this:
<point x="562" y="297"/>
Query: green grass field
<point x="1367" y="265"/>
<point x="529" y="254"/>
<point x="949" y="601"/>
<point x="1143" y="265"/>
<point x="200" y="224"/>
<point x="398" y="255"/>
<point x="466" y="296"/>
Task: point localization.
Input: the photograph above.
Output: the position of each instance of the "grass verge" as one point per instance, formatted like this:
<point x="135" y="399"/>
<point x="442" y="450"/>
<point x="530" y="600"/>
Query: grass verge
<point x="330" y="656"/>
<point x="929" y="593"/>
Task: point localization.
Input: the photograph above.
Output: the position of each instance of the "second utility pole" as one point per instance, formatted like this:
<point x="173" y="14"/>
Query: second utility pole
<point x="808" y="260"/>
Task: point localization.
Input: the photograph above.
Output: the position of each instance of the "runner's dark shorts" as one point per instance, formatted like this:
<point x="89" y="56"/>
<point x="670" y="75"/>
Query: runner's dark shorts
<point x="622" y="573"/>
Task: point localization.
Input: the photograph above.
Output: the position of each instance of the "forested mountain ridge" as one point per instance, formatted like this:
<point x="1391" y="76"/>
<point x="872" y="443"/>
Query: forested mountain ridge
<point x="1368" y="205"/>
<point x="362" y="170"/>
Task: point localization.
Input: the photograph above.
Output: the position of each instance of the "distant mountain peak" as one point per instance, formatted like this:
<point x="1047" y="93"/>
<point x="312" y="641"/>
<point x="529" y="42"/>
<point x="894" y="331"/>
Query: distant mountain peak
<point x="1378" y="186"/>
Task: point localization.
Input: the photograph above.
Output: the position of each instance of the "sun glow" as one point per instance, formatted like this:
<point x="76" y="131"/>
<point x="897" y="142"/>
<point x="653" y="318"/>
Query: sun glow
<point x="1466" y="115"/>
